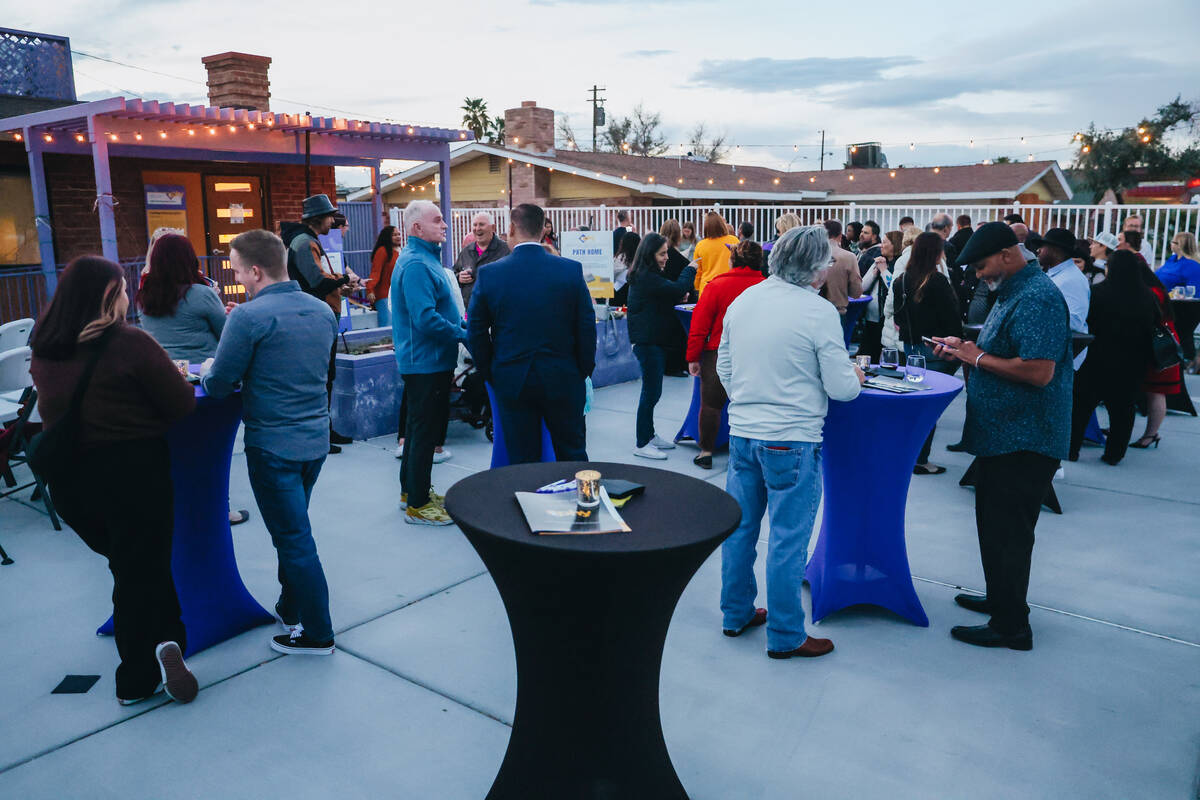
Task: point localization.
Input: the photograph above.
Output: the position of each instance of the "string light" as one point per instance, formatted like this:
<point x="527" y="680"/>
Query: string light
<point x="936" y="170"/>
<point x="1141" y="129"/>
<point x="162" y="134"/>
<point x="680" y="180"/>
<point x="270" y="121"/>
<point x="112" y="137"/>
<point x="232" y="129"/>
<point x="137" y="136"/>
<point x="777" y="181"/>
<point x="912" y="145"/>
<point x="48" y="138"/>
<point x="191" y="131"/>
<point x="812" y="179"/>
<point x="1146" y="138"/>
<point x="1029" y="157"/>
<point x="1087" y="148"/>
<point x="1023" y="140"/>
<point x="79" y="137"/>
<point x="741" y="181"/>
<point x="971" y="143"/>
<point x="854" y="148"/>
<point x="18" y="137"/>
<point x="250" y="126"/>
<point x="710" y="181"/>
<point x="212" y="131"/>
<point x="1079" y="137"/>
<point x="892" y="174"/>
<point x="651" y="180"/>
<point x="850" y="177"/>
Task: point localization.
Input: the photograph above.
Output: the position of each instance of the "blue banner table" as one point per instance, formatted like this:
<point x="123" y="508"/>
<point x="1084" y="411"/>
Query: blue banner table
<point x="589" y="616"/>
<point x="854" y="310"/>
<point x="216" y="604"/>
<point x="870" y="448"/>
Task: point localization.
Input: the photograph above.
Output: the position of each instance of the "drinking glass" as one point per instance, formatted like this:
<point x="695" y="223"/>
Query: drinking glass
<point x="1189" y="292"/>
<point x="864" y="362"/>
<point x="890" y="358"/>
<point x="914" y="369"/>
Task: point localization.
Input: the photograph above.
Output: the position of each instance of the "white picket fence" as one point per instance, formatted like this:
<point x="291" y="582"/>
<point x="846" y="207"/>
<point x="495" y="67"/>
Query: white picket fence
<point x="1160" y="222"/>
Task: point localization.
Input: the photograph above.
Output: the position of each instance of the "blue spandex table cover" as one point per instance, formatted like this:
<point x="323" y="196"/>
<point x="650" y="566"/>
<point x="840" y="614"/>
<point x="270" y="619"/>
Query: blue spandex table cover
<point x="499" y="449"/>
<point x="216" y="604"/>
<point x="870" y="448"/>
<point x="690" y="430"/>
<point x="854" y="310"/>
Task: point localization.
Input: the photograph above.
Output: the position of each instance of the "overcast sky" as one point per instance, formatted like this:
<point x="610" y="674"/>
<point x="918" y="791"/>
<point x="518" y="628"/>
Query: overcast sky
<point x="762" y="72"/>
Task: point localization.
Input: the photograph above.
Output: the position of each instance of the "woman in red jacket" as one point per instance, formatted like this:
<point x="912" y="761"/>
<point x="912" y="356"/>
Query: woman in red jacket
<point x="704" y="338"/>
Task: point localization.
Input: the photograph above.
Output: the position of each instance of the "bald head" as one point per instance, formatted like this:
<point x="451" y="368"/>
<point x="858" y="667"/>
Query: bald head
<point x="423" y="220"/>
<point x="1021" y="230"/>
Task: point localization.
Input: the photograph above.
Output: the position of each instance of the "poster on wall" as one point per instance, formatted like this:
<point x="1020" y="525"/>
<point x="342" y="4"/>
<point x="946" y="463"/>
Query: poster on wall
<point x="593" y="249"/>
<point x="166" y="209"/>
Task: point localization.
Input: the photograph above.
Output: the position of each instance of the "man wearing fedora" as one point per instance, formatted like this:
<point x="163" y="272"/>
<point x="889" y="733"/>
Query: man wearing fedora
<point x="1055" y="250"/>
<point x="311" y="268"/>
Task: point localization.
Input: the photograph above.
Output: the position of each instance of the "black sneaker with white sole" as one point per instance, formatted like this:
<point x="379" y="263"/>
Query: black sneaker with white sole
<point x="178" y="681"/>
<point x="287" y="624"/>
<point x="298" y="644"/>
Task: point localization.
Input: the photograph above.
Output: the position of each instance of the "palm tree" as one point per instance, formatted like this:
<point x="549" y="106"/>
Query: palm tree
<point x="496" y="134"/>
<point x="475" y="117"/>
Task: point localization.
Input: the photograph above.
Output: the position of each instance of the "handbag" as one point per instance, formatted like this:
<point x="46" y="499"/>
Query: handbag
<point x="1164" y="348"/>
<point x="52" y="451"/>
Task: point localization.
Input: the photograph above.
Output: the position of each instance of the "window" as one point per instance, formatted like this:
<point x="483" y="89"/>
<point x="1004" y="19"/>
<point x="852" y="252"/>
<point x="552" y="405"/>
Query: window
<point x="18" y="231"/>
<point x="494" y="164"/>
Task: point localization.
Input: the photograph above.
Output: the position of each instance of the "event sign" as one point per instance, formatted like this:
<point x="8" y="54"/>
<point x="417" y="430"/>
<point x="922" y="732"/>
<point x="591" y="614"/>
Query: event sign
<point x="166" y="208"/>
<point x="593" y="249"/>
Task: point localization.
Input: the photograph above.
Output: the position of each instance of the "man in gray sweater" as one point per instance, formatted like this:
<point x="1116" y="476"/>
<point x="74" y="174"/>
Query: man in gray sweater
<point x="781" y="359"/>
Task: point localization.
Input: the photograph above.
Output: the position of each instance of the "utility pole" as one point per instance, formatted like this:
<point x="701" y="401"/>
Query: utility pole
<point x="822" y="151"/>
<point x="597" y="111"/>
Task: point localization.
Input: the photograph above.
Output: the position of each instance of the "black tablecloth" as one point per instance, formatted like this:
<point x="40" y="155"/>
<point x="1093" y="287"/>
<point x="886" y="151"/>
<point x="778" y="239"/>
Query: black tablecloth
<point x="589" y="616"/>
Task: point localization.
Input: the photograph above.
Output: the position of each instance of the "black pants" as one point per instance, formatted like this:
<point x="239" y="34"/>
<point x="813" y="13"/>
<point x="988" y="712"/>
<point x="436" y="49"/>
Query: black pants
<point x="403" y="423"/>
<point x="135" y="537"/>
<point x="428" y="397"/>
<point x="1009" y="491"/>
<point x="1118" y="396"/>
<point x="712" y="401"/>
<point x="555" y="400"/>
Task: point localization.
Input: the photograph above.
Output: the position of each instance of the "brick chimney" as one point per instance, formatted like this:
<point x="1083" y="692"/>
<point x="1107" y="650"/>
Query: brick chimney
<point x="529" y="128"/>
<point x="238" y="80"/>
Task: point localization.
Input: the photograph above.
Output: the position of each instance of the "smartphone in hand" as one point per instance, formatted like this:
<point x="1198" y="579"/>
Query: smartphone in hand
<point x="932" y="343"/>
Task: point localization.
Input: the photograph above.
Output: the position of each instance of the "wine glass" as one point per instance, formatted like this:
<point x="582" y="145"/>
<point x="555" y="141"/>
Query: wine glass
<point x="1189" y="292"/>
<point x="914" y="369"/>
<point x="889" y="358"/>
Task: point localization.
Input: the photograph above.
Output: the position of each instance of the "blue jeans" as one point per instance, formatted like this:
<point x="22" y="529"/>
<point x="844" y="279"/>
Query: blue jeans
<point x="784" y="477"/>
<point x="383" y="312"/>
<point x="282" y="489"/>
<point x="653" y="361"/>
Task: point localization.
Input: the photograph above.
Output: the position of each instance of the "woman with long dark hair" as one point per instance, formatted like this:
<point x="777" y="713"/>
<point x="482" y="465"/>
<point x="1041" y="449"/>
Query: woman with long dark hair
<point x="622" y="261"/>
<point x="1121" y="317"/>
<point x="133" y="395"/>
<point x="383" y="261"/>
<point x="179" y="309"/>
<point x="1158" y="383"/>
<point x="652" y="326"/>
<point x="926" y="305"/>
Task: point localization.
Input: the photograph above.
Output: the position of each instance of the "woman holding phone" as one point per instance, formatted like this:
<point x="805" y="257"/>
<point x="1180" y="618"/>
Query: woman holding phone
<point x="926" y="306"/>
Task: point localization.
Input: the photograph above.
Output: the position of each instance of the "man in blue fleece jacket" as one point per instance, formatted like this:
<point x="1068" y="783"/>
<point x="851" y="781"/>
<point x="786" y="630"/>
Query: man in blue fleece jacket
<point x="426" y="331"/>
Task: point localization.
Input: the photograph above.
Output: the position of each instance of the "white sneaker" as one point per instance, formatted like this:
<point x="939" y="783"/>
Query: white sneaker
<point x="399" y="451"/>
<point x="650" y="451"/>
<point x="442" y="456"/>
<point x="662" y="444"/>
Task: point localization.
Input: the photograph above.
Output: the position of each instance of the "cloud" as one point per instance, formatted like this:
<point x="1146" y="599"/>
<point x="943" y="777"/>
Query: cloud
<point x="648" y="53"/>
<point x="788" y="75"/>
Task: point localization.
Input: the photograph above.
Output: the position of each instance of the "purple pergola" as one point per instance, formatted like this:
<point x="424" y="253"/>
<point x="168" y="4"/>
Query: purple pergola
<point x="133" y="128"/>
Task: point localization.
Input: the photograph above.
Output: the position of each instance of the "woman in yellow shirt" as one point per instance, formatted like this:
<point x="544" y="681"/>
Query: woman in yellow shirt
<point x="712" y="252"/>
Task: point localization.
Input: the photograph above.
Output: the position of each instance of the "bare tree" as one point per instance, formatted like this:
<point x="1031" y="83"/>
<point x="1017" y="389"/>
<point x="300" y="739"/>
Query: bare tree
<point x="638" y="135"/>
<point x="565" y="133"/>
<point x="708" y="146"/>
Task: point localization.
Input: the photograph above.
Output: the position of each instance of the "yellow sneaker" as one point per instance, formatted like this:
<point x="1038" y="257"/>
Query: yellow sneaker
<point x="434" y="497"/>
<point x="431" y="513"/>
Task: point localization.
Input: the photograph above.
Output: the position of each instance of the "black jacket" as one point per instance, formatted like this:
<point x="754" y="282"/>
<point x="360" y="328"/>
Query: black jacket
<point x="652" y="300"/>
<point x="959" y="239"/>
<point x="935" y="315"/>
<point x="1123" y="327"/>
<point x="469" y="258"/>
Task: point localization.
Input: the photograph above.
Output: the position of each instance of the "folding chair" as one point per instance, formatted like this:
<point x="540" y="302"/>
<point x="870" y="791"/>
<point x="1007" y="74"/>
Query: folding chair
<point x="15" y="334"/>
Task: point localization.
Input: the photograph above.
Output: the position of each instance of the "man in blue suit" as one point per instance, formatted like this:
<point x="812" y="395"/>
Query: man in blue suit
<point x="532" y="334"/>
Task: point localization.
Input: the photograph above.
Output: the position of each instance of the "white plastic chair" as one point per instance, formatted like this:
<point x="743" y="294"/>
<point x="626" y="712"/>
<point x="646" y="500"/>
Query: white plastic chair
<point x="14" y="379"/>
<point x="15" y="334"/>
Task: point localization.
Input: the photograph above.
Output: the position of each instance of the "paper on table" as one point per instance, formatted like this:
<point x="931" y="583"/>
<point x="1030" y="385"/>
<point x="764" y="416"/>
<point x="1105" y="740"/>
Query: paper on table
<point x="556" y="513"/>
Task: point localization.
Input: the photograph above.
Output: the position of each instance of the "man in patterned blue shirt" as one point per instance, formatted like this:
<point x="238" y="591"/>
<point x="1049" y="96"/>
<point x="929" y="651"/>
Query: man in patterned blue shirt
<point x="1018" y="425"/>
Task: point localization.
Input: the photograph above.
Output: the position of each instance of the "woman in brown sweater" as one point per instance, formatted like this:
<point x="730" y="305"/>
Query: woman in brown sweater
<point x="134" y="395"/>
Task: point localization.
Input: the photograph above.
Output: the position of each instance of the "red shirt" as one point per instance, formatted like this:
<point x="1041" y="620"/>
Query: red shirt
<point x="705" y="333"/>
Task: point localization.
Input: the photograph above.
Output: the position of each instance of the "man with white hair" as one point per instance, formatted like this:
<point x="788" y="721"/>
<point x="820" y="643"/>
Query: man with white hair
<point x="781" y="360"/>
<point x="486" y="248"/>
<point x="426" y="330"/>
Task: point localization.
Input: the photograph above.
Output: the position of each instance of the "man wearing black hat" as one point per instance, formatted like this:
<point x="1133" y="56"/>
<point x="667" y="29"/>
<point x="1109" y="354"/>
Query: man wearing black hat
<point x="1055" y="251"/>
<point x="311" y="268"/>
<point x="1018" y="425"/>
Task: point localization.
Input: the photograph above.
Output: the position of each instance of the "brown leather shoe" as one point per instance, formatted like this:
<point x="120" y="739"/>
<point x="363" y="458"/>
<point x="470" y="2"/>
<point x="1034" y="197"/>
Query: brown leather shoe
<point x="812" y="648"/>
<point x="759" y="618"/>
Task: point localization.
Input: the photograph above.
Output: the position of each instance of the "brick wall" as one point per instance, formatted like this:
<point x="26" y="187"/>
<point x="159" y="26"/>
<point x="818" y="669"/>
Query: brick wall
<point x="529" y="128"/>
<point x="71" y="185"/>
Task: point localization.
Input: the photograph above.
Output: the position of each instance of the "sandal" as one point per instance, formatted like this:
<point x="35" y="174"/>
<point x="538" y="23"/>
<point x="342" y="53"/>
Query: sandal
<point x="704" y="462"/>
<point x="243" y="515"/>
<point x="928" y="469"/>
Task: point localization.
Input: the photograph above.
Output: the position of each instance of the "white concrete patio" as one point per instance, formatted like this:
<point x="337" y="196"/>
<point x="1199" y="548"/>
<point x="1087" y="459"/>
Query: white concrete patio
<point x="418" y="700"/>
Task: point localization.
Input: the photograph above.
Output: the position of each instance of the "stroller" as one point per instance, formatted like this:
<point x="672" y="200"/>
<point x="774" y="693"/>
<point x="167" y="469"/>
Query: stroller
<point x="469" y="400"/>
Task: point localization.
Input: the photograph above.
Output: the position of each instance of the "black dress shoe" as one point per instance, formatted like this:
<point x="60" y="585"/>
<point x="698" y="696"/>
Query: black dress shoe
<point x="973" y="602"/>
<point x="337" y="438"/>
<point x="957" y="447"/>
<point x="334" y="449"/>
<point x="987" y="636"/>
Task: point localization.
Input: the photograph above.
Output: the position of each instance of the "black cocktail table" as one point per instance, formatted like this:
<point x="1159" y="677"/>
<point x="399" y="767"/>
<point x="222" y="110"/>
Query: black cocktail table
<point x="589" y="617"/>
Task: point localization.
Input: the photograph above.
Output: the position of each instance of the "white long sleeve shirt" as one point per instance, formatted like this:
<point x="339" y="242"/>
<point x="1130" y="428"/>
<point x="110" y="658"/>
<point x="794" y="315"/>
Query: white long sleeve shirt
<point x="781" y="358"/>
